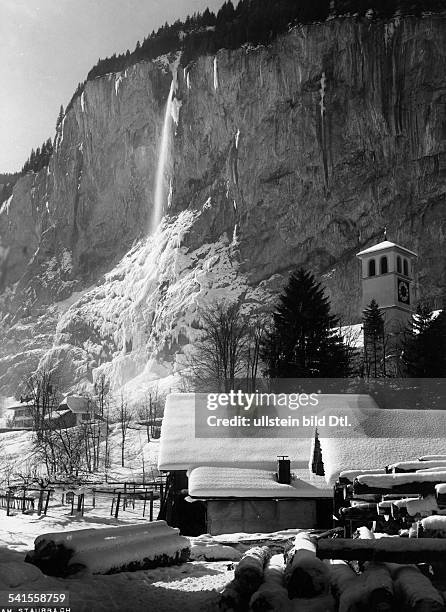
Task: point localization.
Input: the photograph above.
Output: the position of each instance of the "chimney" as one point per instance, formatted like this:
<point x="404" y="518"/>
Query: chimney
<point x="283" y="469"/>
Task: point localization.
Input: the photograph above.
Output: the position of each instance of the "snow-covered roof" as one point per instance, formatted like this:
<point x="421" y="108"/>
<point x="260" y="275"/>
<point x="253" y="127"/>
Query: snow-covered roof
<point x="11" y="403"/>
<point x="384" y="437"/>
<point x="386" y="244"/>
<point x="181" y="450"/>
<point x="205" y="482"/>
<point x="76" y="403"/>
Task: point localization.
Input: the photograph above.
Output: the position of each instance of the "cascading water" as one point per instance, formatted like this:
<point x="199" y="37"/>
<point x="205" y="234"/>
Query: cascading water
<point x="161" y="178"/>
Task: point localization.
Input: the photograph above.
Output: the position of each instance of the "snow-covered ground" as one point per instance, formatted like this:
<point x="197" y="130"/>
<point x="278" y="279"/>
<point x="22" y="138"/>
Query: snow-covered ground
<point x="190" y="587"/>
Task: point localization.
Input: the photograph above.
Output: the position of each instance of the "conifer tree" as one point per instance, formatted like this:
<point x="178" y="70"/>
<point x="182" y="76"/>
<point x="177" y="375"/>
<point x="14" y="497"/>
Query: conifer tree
<point x="424" y="353"/>
<point x="60" y="116"/>
<point x="374" y="341"/>
<point x="302" y="342"/>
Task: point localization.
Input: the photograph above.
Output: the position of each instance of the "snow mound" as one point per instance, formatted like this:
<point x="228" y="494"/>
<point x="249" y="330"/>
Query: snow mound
<point x="111" y="550"/>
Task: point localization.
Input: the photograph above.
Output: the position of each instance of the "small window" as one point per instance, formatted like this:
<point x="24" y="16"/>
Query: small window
<point x="383" y="265"/>
<point x="406" y="267"/>
<point x="372" y="267"/>
<point x="398" y="264"/>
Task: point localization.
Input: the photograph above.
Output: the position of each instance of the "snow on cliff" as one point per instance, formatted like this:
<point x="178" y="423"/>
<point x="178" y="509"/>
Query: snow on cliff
<point x="149" y="305"/>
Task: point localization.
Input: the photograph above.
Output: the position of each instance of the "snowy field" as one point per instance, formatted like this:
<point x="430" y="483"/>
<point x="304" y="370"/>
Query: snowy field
<point x="192" y="586"/>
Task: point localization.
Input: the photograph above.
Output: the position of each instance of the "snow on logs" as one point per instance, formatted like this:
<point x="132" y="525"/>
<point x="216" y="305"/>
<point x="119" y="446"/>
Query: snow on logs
<point x="272" y="594"/>
<point x="248" y="577"/>
<point x="305" y="574"/>
<point x="110" y="550"/>
<point x="412" y="482"/>
<point x="250" y="569"/>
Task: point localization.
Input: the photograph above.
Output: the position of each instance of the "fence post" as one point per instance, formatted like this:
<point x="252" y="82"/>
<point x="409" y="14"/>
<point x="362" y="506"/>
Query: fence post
<point x="8" y="500"/>
<point x="151" y="506"/>
<point x="47" y="501"/>
<point x="117" y="504"/>
<point x="94" y="498"/>
<point x="144" y="508"/>
<point x="39" y="507"/>
<point x="24" y="501"/>
<point x="72" y="504"/>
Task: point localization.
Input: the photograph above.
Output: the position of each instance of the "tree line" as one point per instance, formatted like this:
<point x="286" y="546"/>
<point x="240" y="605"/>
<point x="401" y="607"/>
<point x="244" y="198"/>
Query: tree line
<point x="38" y="159"/>
<point x="250" y="21"/>
<point x="302" y="338"/>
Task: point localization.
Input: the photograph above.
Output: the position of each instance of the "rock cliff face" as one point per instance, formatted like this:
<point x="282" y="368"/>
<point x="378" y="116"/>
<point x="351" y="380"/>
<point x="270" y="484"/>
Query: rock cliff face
<point x="295" y="154"/>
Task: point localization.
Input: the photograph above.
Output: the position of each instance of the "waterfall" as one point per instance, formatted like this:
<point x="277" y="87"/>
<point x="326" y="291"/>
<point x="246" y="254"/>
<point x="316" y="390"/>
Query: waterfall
<point x="160" y="180"/>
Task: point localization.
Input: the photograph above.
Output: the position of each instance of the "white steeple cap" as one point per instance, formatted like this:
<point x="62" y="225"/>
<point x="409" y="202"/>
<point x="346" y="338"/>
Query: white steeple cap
<point x="382" y="246"/>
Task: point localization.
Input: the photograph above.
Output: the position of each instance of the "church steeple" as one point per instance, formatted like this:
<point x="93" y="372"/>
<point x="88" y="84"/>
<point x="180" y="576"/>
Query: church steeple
<point x="387" y="277"/>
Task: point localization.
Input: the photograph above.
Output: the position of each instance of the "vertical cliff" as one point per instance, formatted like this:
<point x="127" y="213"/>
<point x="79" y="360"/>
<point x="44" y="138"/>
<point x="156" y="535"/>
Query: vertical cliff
<point x="298" y="153"/>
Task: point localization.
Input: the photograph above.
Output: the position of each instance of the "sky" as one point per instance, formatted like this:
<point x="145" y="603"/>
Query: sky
<point x="48" y="46"/>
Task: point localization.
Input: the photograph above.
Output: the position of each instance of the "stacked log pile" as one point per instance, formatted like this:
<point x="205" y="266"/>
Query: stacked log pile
<point x="317" y="575"/>
<point x="396" y="499"/>
<point x="109" y="550"/>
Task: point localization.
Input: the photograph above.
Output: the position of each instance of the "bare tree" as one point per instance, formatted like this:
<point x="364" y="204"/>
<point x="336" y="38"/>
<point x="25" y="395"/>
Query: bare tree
<point x="150" y="410"/>
<point x="255" y="335"/>
<point x="124" y="417"/>
<point x="220" y="355"/>
<point x="41" y="388"/>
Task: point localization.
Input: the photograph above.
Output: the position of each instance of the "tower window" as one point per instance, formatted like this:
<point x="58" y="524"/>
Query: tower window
<point x="383" y="268"/>
<point x="372" y="267"/>
<point x="406" y="267"/>
<point x="398" y="264"/>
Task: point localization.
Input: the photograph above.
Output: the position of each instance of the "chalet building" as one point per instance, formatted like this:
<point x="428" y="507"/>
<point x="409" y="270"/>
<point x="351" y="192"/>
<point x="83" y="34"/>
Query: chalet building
<point x="225" y="485"/>
<point x="20" y="413"/>
<point x="74" y="410"/>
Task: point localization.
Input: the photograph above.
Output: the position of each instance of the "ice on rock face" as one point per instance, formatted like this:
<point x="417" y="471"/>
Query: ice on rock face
<point x="169" y="197"/>
<point x="234" y="236"/>
<point x="175" y="110"/>
<point x="118" y="80"/>
<point x="188" y="80"/>
<point x="154" y="296"/>
<point x="6" y="205"/>
<point x="83" y="101"/>
<point x="237" y="137"/>
<point x="322" y="93"/>
<point x="215" y="73"/>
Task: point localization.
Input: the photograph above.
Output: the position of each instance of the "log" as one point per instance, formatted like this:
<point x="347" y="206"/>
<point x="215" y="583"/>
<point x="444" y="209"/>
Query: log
<point x="250" y="569"/>
<point x="231" y="599"/>
<point x="372" y="590"/>
<point x="413" y="591"/>
<point x="110" y="550"/>
<point x="365" y="512"/>
<point x="396" y="550"/>
<point x="342" y="577"/>
<point x="305" y="574"/>
<point x="272" y="594"/>
<point x="321" y="603"/>
<point x="378" y="588"/>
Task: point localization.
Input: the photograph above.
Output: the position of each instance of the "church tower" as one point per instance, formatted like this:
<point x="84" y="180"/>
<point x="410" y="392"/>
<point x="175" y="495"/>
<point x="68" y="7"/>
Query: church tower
<point x="387" y="277"/>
